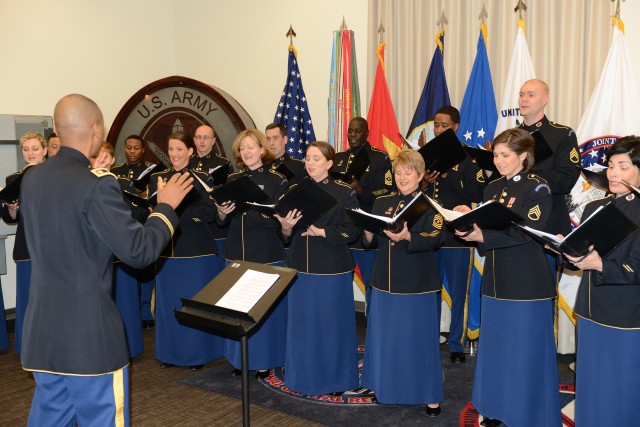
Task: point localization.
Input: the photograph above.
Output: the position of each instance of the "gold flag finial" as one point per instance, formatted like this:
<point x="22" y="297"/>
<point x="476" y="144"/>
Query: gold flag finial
<point x="291" y="34"/>
<point x="521" y="8"/>
<point x="381" y="32"/>
<point x="343" y="27"/>
<point x="442" y="21"/>
<point x="483" y="14"/>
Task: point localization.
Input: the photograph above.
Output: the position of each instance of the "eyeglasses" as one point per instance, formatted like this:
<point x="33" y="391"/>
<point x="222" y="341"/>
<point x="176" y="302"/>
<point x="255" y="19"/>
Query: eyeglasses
<point x="203" y="137"/>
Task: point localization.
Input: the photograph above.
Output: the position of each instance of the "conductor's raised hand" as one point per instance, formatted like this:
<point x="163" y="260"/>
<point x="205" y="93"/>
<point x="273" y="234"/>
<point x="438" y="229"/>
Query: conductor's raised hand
<point x="175" y="189"/>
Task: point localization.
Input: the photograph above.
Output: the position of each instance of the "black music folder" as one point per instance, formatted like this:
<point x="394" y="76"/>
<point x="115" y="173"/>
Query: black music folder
<point x="307" y="197"/>
<point x="242" y="189"/>
<point x="219" y="174"/>
<point x="410" y="214"/>
<point x="356" y="168"/>
<point x="605" y="229"/>
<point x="443" y="152"/>
<point x="541" y="149"/>
<point x="141" y="201"/>
<point x="142" y="181"/>
<point x="483" y="158"/>
<point x="11" y="193"/>
<point x="234" y="317"/>
<point x="599" y="179"/>
<point x="283" y="169"/>
<point x="490" y="216"/>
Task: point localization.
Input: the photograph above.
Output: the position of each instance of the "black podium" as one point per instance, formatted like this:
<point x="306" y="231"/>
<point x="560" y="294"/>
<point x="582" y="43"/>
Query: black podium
<point x="202" y="312"/>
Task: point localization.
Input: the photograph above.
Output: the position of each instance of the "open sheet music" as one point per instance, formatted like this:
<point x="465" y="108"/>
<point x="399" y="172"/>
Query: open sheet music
<point x="247" y="291"/>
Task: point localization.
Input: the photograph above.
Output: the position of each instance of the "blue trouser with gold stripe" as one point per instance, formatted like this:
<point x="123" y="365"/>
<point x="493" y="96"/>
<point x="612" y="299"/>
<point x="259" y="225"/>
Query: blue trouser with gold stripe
<point x="88" y="400"/>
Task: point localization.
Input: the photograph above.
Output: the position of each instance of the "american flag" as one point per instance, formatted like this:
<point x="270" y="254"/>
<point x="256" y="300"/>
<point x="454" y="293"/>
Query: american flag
<point x="293" y="111"/>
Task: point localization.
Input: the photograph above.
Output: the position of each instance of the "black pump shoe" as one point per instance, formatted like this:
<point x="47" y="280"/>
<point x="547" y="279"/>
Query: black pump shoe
<point x="262" y="374"/>
<point x="433" y="412"/>
<point x="490" y="422"/>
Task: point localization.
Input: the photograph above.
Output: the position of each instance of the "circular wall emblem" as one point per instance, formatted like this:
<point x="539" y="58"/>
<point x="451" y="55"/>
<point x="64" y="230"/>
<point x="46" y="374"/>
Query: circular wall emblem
<point x="177" y="103"/>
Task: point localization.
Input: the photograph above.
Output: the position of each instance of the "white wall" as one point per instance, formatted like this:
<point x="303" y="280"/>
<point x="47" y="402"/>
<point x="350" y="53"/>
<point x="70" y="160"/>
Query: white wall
<point x="241" y="47"/>
<point x="106" y="50"/>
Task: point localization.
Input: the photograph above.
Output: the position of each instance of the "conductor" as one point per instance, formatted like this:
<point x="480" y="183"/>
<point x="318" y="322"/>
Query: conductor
<point x="73" y="339"/>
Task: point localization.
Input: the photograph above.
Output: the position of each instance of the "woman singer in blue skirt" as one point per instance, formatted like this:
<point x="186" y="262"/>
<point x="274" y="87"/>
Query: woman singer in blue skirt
<point x="516" y="374"/>
<point x="321" y="333"/>
<point x="608" y="307"/>
<point x="255" y="237"/>
<point x="185" y="266"/>
<point x="402" y="351"/>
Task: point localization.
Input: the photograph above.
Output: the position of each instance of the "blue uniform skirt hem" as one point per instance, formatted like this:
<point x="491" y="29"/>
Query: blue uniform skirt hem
<point x="402" y="351"/>
<point x="267" y="343"/>
<point x="516" y="374"/>
<point x="607" y="376"/>
<point x="125" y="294"/>
<point x="183" y="278"/>
<point x="321" y="354"/>
<point x="23" y="284"/>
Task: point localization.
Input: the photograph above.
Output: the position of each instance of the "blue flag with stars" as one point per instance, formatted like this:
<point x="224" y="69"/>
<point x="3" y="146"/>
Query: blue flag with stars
<point x="478" y="112"/>
<point x="293" y="111"/>
<point x="478" y="119"/>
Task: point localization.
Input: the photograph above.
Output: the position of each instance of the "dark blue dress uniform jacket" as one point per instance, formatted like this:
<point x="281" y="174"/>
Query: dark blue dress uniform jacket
<point x="407" y="267"/>
<point x="20" y="251"/>
<point x="196" y="212"/>
<point x="296" y="166"/>
<point x="462" y="185"/>
<point x="560" y="171"/>
<point x="612" y="297"/>
<point x="376" y="181"/>
<point x="515" y="267"/>
<point x="253" y="236"/>
<point x="330" y="255"/>
<point x="72" y="324"/>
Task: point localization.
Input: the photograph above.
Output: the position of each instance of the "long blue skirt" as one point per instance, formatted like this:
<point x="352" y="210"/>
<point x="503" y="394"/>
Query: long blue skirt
<point x="4" y="335"/>
<point x="23" y="284"/>
<point x="322" y="352"/>
<point x="516" y="375"/>
<point x="607" y="376"/>
<point x="365" y="259"/>
<point x="125" y="295"/>
<point x="220" y="245"/>
<point x="267" y="344"/>
<point x="146" y="282"/>
<point x="183" y="278"/>
<point x="402" y="352"/>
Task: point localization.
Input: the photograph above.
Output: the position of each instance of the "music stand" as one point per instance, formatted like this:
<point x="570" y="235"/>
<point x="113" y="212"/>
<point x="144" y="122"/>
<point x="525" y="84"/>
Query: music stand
<point x="201" y="312"/>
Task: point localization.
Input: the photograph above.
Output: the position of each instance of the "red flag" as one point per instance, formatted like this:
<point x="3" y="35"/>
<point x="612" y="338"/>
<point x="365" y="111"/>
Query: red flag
<point x="383" y="126"/>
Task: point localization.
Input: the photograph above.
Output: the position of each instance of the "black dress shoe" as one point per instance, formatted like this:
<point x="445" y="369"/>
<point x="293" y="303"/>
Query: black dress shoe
<point x="262" y="374"/>
<point x="433" y="412"/>
<point x="166" y="365"/>
<point x="148" y="325"/>
<point x="195" y="367"/>
<point x="490" y="422"/>
<point x="236" y="373"/>
<point x="458" y="357"/>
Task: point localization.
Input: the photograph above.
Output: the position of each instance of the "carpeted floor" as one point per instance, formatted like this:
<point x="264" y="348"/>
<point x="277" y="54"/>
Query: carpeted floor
<point x="458" y="382"/>
<point x="211" y="397"/>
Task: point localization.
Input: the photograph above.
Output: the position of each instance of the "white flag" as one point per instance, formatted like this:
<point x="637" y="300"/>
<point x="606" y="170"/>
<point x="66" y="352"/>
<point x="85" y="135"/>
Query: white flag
<point x="520" y="70"/>
<point x="612" y="113"/>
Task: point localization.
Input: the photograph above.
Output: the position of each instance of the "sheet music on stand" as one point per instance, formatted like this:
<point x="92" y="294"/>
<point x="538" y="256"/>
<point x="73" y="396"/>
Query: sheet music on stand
<point x="247" y="291"/>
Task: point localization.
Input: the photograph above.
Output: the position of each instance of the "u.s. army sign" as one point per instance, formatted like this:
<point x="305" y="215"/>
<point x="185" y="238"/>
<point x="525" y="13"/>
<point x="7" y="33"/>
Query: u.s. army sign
<point x="177" y="103"/>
